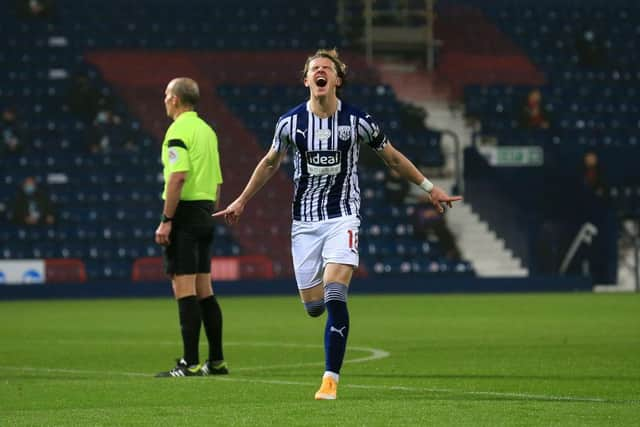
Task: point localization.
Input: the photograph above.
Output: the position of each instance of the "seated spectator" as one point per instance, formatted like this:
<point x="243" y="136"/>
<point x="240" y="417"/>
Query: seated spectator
<point x="12" y="134"/>
<point x="32" y="205"/>
<point x="396" y="188"/>
<point x="591" y="50"/>
<point x="108" y="134"/>
<point x="428" y="223"/>
<point x="533" y="114"/>
<point x="41" y="9"/>
<point x="413" y="117"/>
<point x="83" y="99"/>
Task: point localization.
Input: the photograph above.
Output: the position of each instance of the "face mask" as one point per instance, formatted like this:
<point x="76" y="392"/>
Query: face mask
<point x="29" y="189"/>
<point x="102" y="117"/>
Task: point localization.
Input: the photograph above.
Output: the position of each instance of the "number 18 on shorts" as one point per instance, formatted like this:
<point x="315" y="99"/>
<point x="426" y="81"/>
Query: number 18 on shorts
<point x="314" y="244"/>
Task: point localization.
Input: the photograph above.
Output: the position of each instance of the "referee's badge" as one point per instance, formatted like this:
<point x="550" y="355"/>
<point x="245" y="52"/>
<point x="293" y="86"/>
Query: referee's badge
<point x="344" y="133"/>
<point x="173" y="155"/>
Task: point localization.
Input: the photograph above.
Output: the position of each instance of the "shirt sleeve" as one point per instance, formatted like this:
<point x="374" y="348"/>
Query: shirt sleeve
<point x="281" y="138"/>
<point x="369" y="133"/>
<point x="177" y="152"/>
<point x="218" y="169"/>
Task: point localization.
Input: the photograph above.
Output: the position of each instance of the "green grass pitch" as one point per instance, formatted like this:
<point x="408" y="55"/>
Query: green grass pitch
<point x="521" y="359"/>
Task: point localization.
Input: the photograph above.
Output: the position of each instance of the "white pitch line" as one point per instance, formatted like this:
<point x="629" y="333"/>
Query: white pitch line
<point x="375" y="352"/>
<point x="375" y="355"/>
<point x="522" y="396"/>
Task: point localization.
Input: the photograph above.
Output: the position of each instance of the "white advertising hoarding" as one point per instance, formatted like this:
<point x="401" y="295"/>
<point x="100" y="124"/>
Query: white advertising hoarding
<point x="22" y="271"/>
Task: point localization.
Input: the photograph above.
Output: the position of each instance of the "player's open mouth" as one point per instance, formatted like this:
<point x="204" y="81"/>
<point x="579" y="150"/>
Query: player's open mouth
<point x="321" y="82"/>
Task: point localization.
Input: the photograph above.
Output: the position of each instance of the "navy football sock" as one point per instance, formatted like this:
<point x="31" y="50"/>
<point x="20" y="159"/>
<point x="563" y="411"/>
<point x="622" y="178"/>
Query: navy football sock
<point x="337" y="328"/>
<point x="189" y="312"/>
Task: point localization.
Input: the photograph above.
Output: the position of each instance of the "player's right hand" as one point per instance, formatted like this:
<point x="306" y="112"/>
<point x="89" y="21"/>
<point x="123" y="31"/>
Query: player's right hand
<point x="231" y="213"/>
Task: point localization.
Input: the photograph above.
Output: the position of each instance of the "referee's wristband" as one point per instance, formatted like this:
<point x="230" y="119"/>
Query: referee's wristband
<point x="426" y="185"/>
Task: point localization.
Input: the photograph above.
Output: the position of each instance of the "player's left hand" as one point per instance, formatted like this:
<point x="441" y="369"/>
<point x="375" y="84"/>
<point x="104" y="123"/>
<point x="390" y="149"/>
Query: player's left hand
<point x="232" y="212"/>
<point x="162" y="233"/>
<point x="439" y="199"/>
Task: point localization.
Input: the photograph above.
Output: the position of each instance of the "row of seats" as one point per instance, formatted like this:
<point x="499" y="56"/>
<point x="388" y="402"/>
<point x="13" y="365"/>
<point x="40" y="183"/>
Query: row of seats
<point x="228" y="25"/>
<point x="104" y="250"/>
<point x="116" y="230"/>
<point x="398" y="265"/>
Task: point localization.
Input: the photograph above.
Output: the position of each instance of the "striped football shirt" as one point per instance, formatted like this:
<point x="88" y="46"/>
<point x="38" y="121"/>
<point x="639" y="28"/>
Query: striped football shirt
<point x="325" y="158"/>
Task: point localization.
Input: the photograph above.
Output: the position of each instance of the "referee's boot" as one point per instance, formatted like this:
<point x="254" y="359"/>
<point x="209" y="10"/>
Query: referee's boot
<point x="182" y="369"/>
<point x="209" y="368"/>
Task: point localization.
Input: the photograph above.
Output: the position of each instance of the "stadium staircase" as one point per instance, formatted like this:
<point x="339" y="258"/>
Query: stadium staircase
<point x="481" y="246"/>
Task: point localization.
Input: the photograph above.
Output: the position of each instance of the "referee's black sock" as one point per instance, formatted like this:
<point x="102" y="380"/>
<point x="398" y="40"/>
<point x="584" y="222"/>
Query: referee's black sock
<point x="190" y="326"/>
<point x="212" y="320"/>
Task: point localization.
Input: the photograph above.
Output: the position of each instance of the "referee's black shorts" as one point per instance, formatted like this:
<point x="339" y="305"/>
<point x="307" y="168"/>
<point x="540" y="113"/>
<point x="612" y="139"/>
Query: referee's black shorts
<point x="189" y="249"/>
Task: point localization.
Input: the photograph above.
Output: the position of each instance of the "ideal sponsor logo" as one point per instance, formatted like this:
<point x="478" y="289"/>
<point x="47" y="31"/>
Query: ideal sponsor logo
<point x="323" y="158"/>
<point x="323" y="162"/>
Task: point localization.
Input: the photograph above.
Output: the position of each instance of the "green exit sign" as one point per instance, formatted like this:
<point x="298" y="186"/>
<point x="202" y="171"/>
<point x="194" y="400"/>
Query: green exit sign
<point x="513" y="156"/>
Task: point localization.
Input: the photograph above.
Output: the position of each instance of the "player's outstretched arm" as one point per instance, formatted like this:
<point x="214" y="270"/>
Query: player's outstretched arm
<point x="394" y="159"/>
<point x="263" y="172"/>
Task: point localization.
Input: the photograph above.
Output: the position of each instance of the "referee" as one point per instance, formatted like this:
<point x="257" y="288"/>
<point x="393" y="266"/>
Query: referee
<point x="192" y="179"/>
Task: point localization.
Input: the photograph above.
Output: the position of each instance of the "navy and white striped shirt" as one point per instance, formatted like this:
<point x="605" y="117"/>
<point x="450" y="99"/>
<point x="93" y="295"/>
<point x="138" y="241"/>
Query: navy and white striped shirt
<point x="326" y="158"/>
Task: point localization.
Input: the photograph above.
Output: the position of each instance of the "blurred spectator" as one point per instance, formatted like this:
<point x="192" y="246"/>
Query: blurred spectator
<point x="32" y="205"/>
<point x="108" y="133"/>
<point x="13" y="135"/>
<point x="41" y="9"/>
<point x="533" y="114"/>
<point x="83" y="99"/>
<point x="428" y="223"/>
<point x="591" y="50"/>
<point x="413" y="117"/>
<point x="595" y="209"/>
<point x="593" y="181"/>
<point x="396" y="188"/>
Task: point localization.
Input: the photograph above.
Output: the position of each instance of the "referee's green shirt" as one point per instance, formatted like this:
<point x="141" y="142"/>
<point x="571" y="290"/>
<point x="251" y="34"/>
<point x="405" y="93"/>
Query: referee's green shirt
<point x="191" y="146"/>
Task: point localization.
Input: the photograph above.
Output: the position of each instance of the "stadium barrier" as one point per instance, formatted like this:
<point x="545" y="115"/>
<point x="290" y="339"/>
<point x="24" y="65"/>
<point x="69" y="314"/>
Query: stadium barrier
<point x="65" y="270"/>
<point x="40" y="271"/>
<point x="387" y="284"/>
<point x="150" y="269"/>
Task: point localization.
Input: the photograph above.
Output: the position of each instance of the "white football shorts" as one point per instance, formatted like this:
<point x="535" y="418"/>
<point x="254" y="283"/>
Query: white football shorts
<point x="314" y="244"/>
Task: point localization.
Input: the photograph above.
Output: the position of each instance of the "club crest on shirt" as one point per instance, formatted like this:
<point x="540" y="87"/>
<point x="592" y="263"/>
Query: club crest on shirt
<point x="344" y="133"/>
<point x="323" y="134"/>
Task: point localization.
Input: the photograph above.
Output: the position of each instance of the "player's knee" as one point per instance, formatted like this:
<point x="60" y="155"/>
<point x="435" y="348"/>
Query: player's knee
<point x="314" y="308"/>
<point x="335" y="292"/>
